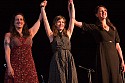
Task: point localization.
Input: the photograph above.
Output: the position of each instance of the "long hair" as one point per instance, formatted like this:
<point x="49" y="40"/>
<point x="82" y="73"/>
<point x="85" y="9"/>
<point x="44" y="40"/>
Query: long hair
<point x="54" y="27"/>
<point x="108" y="22"/>
<point x="13" y="31"/>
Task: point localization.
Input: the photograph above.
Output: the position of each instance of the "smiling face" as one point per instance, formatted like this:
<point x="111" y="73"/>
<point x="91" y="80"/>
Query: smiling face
<point x="19" y="21"/>
<point x="60" y="24"/>
<point x="101" y="13"/>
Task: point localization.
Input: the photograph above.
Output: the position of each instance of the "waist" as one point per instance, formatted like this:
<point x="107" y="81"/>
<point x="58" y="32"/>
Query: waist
<point x="108" y="41"/>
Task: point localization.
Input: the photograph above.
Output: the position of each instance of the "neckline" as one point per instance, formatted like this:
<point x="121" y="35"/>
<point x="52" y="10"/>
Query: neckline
<point x="107" y="29"/>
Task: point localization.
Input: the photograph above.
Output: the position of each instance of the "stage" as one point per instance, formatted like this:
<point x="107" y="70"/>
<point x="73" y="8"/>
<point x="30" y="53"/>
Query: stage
<point x="83" y="46"/>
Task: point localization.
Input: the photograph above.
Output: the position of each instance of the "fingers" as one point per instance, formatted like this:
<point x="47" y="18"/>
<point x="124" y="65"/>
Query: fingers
<point x="11" y="74"/>
<point x="123" y="68"/>
<point x="70" y="1"/>
<point x="44" y="3"/>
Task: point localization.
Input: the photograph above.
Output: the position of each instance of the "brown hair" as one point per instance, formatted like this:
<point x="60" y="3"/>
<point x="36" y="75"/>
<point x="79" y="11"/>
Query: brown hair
<point x="54" y="28"/>
<point x="13" y="30"/>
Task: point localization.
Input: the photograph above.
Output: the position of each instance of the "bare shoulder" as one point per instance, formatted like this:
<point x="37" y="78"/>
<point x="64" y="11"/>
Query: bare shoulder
<point x="7" y="34"/>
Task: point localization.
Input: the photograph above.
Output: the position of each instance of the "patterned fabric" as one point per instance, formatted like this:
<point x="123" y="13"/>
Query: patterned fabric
<point x="22" y="61"/>
<point x="62" y="66"/>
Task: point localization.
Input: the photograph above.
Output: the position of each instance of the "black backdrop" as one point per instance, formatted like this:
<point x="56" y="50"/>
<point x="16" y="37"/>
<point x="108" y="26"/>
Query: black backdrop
<point x="83" y="45"/>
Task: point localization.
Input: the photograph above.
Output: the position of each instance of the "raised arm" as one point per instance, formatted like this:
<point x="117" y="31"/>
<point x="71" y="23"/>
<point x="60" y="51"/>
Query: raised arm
<point x="34" y="29"/>
<point x="71" y="10"/>
<point x="7" y="54"/>
<point x="45" y="20"/>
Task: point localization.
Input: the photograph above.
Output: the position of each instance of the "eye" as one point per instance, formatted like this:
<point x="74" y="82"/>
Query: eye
<point x="16" y="19"/>
<point x="63" y="22"/>
<point x="105" y="10"/>
<point x="21" y="19"/>
<point x="58" y="22"/>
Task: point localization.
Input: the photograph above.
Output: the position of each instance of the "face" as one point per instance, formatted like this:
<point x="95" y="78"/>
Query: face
<point x="102" y="13"/>
<point x="60" y="24"/>
<point x="19" y="21"/>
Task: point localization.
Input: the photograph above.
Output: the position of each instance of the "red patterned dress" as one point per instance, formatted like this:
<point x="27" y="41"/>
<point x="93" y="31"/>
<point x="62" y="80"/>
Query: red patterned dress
<point x="22" y="61"/>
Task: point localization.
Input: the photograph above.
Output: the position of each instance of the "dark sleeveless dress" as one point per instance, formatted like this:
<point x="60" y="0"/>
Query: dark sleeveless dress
<point x="62" y="66"/>
<point x="108" y="64"/>
<point x="22" y="61"/>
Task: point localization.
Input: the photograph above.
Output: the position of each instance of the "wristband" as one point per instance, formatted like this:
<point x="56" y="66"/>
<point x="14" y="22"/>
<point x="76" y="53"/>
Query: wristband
<point x="41" y="6"/>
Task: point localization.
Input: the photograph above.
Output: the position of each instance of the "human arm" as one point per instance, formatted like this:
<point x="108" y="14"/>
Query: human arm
<point x="7" y="54"/>
<point x="78" y="23"/>
<point x="71" y="10"/>
<point x="118" y="47"/>
<point x="45" y="20"/>
<point x="34" y="29"/>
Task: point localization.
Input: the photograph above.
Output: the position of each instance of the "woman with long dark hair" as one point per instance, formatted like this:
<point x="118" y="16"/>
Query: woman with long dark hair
<point x="109" y="53"/>
<point x="18" y="53"/>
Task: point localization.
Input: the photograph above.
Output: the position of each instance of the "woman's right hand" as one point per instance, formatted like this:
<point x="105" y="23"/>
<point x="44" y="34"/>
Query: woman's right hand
<point x="10" y="72"/>
<point x="43" y="4"/>
<point x="70" y="1"/>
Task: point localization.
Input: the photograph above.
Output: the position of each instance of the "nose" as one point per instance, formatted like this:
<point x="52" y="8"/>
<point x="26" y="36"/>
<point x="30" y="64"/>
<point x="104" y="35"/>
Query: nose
<point x="19" y="19"/>
<point x="102" y="11"/>
<point x="61" y="23"/>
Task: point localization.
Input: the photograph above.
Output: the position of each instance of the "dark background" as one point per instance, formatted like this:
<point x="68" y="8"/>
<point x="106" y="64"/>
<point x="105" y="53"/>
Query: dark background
<point x="83" y="45"/>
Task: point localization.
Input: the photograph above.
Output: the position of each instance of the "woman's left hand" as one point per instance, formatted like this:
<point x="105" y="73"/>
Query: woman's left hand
<point x="122" y="67"/>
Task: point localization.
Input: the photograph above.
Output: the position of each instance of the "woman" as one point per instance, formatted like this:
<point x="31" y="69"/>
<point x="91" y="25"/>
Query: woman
<point x="109" y="53"/>
<point x="62" y="66"/>
<point x="18" y="53"/>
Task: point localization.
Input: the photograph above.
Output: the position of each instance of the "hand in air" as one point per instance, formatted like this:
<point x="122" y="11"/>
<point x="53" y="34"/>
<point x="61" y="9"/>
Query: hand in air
<point x="43" y="4"/>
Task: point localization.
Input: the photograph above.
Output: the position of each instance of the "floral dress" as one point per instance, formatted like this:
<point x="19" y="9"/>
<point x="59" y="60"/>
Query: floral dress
<point x="22" y="61"/>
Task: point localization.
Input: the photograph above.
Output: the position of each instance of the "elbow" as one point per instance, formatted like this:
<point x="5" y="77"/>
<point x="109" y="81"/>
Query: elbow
<point x="118" y="48"/>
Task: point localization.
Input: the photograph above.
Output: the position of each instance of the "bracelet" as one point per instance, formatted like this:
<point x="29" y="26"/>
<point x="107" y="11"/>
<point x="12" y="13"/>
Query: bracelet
<point x="41" y="6"/>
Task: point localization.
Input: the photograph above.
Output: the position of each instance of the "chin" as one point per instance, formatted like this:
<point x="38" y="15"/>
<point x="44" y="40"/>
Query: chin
<point x="19" y="27"/>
